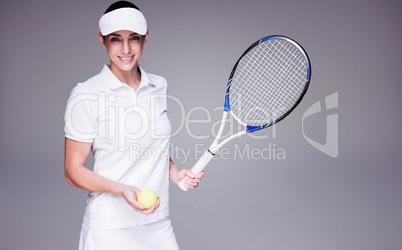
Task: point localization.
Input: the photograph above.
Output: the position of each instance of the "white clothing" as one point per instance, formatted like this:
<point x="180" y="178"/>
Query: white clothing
<point x="130" y="136"/>
<point x="155" y="236"/>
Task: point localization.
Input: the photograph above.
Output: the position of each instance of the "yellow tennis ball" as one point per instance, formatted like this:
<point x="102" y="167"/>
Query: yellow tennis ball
<point x="147" y="198"/>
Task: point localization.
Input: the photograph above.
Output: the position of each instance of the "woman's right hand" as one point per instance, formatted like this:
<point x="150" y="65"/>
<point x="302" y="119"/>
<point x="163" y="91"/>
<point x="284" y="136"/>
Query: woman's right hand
<point x="130" y="194"/>
<point x="78" y="175"/>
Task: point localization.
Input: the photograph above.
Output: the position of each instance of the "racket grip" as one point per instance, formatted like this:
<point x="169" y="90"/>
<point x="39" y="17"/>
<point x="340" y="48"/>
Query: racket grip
<point x="198" y="167"/>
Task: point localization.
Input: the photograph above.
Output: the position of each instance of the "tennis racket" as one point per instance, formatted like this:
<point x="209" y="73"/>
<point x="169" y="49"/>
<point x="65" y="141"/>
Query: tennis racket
<point x="267" y="82"/>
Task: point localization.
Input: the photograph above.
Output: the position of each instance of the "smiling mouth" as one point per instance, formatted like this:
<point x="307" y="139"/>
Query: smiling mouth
<point x="126" y="59"/>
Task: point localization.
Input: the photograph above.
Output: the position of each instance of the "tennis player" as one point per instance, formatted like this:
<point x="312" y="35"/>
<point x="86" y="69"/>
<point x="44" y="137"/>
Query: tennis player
<point x="120" y="115"/>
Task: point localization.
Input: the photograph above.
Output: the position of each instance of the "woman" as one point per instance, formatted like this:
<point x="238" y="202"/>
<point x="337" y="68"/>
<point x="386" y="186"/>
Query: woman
<point x="120" y="114"/>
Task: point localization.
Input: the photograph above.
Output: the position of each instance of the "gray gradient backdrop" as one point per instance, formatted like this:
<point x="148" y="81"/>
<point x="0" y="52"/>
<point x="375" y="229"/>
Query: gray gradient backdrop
<point x="307" y="201"/>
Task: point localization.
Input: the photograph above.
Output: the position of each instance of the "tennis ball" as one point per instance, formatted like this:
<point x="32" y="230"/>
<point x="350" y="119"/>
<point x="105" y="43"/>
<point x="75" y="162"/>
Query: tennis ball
<point x="147" y="198"/>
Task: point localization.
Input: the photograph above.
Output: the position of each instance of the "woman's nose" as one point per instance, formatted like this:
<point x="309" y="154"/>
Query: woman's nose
<point x="126" y="47"/>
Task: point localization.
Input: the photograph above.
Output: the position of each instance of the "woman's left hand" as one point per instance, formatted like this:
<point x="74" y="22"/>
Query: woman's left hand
<point x="192" y="180"/>
<point x="176" y="176"/>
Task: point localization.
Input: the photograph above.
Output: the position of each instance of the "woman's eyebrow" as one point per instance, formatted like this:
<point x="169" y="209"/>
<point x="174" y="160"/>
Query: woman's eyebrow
<point x="114" y="34"/>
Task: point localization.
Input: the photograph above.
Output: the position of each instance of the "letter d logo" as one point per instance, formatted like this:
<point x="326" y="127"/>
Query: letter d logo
<point x="331" y="144"/>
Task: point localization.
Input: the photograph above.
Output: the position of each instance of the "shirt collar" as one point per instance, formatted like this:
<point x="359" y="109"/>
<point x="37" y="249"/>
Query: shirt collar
<point x="113" y="82"/>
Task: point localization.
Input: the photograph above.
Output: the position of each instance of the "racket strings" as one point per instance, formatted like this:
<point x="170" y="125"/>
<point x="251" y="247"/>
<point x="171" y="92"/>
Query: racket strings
<point x="268" y="81"/>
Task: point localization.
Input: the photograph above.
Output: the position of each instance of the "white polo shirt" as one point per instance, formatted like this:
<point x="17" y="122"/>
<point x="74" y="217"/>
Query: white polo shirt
<point x="130" y="136"/>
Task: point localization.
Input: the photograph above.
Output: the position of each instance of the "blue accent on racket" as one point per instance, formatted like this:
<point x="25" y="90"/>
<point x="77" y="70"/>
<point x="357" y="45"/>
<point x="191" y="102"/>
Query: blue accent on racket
<point x="252" y="128"/>
<point x="266" y="38"/>
<point x="227" y="105"/>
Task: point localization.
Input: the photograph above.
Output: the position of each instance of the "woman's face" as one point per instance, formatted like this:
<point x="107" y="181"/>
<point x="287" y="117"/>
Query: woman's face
<point x="124" y="49"/>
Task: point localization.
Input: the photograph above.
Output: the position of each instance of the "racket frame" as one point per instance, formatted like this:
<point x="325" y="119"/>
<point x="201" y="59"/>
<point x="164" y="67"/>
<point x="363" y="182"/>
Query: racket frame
<point x="215" y="146"/>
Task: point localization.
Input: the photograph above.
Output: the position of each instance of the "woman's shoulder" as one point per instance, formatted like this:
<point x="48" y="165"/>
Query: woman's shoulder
<point x="91" y="85"/>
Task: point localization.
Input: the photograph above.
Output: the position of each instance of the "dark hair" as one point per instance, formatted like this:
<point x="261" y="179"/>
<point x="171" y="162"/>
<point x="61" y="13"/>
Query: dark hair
<point x="119" y="5"/>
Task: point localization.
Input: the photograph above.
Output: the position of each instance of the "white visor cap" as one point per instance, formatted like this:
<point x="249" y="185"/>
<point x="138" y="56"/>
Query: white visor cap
<point x="123" y="19"/>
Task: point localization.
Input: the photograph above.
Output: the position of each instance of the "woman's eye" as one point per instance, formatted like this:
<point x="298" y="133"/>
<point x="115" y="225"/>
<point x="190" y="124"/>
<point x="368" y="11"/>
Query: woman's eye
<point x="115" y="39"/>
<point x="135" y="38"/>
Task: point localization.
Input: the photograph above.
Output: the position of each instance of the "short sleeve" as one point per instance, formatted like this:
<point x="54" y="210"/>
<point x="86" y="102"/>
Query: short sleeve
<point x="81" y="115"/>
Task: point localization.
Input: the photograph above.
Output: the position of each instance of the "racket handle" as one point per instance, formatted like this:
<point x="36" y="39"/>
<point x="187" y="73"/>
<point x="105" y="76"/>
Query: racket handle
<point x="198" y="167"/>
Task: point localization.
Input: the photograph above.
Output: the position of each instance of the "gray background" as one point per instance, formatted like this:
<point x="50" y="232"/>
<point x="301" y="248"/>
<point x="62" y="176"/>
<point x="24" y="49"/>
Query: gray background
<point x="306" y="201"/>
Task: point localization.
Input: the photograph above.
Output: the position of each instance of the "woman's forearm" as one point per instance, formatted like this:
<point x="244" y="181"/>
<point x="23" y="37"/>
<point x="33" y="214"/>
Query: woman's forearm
<point x="173" y="170"/>
<point x="81" y="177"/>
<point x="78" y="175"/>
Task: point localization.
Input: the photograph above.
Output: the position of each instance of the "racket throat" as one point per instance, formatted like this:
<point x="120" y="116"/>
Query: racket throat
<point x="213" y="149"/>
<point x="212" y="153"/>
